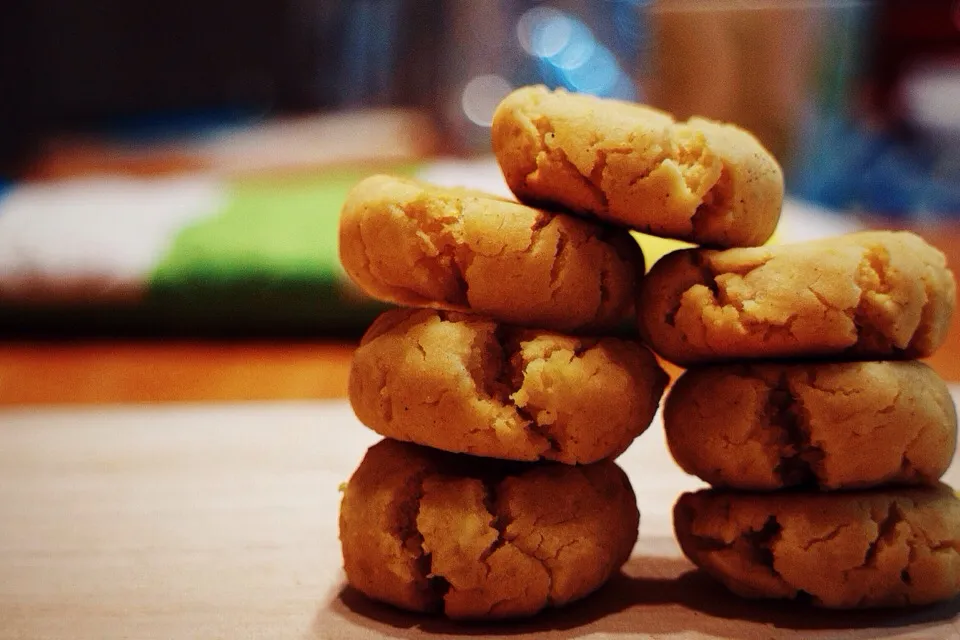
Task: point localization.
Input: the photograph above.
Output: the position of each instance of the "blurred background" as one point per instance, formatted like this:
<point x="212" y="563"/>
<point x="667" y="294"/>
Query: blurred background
<point x="171" y="173"/>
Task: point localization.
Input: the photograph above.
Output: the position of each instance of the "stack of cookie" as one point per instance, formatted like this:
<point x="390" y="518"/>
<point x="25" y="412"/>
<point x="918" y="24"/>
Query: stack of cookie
<point x="501" y="390"/>
<point x="504" y="397"/>
<point x="804" y="408"/>
<point x="840" y="414"/>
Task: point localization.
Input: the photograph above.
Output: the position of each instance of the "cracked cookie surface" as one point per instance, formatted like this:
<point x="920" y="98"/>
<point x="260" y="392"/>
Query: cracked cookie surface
<point x="470" y="537"/>
<point x="824" y="426"/>
<point x="418" y="245"/>
<point x="700" y="181"/>
<point x="866" y="295"/>
<point x="879" y="548"/>
<point x="467" y="384"/>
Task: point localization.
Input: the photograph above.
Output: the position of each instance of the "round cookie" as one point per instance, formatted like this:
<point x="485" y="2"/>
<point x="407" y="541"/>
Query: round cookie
<point x="867" y="295"/>
<point x="828" y="426"/>
<point x="843" y="550"/>
<point x="418" y="245"/>
<point x="477" y="538"/>
<point x="701" y="181"/>
<point x="466" y="384"/>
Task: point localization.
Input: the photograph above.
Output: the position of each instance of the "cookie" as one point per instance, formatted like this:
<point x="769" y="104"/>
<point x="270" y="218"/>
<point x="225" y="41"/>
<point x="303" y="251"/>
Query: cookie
<point x="842" y="550"/>
<point x="868" y="295"/>
<point x="431" y="531"/>
<point x="700" y="181"/>
<point x="467" y="384"/>
<point x="418" y="245"/>
<point x="826" y="426"/>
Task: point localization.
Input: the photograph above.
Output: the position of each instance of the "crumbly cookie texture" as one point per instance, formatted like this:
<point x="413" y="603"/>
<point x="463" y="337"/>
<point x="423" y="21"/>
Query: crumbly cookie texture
<point x="418" y="245"/>
<point x="825" y="426"/>
<point x="867" y="295"/>
<point x="477" y="538"/>
<point x="466" y="384"/>
<point x="701" y="181"/>
<point x="843" y="550"/>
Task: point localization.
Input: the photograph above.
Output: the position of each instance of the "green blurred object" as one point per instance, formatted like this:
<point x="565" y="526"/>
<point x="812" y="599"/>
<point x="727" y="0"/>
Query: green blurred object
<point x="268" y="260"/>
<point x="259" y="256"/>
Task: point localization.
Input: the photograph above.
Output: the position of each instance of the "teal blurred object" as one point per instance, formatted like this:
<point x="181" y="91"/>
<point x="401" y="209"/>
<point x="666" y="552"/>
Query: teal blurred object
<point x="882" y="134"/>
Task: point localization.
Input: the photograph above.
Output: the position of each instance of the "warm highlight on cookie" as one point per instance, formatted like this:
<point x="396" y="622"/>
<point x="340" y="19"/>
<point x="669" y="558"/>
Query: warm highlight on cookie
<point x="476" y="538"/>
<point x="467" y="384"/>
<point x="843" y="550"/>
<point x="415" y="244"/>
<point x="868" y="295"/>
<point x="822" y="426"/>
<point x="700" y="181"/>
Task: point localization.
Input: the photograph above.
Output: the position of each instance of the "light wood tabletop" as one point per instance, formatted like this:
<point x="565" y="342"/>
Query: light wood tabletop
<point x="220" y="521"/>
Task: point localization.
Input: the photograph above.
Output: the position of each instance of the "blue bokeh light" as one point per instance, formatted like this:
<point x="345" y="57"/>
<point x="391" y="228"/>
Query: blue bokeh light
<point x="568" y="55"/>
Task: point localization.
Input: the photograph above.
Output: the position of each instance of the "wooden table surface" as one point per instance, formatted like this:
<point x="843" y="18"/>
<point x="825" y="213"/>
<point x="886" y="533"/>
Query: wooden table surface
<point x="217" y="521"/>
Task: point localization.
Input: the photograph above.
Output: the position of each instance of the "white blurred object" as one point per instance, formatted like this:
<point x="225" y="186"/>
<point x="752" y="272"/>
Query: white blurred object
<point x="481" y="97"/>
<point x="932" y="98"/>
<point x="482" y="174"/>
<point x="107" y="233"/>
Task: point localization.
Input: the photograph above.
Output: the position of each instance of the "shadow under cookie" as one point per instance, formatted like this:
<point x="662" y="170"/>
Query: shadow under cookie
<point x="652" y="596"/>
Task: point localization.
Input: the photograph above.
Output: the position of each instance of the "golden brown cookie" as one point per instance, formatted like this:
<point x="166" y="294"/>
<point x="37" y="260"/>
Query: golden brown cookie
<point x="829" y="426"/>
<point x="417" y="245"/>
<point x="867" y="295"/>
<point x="843" y="550"/>
<point x="478" y="538"/>
<point x="466" y="384"/>
<point x="701" y="181"/>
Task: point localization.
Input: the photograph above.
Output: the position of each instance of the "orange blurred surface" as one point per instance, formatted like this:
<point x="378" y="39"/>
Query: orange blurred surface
<point x="112" y="372"/>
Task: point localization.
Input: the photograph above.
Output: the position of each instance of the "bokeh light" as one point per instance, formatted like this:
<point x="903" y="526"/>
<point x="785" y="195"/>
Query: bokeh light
<point x="568" y="54"/>
<point x="481" y="95"/>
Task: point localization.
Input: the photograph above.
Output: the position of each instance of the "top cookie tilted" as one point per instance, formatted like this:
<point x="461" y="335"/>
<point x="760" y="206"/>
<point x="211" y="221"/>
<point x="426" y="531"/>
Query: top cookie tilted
<point x="421" y="245"/>
<point x="701" y="181"/>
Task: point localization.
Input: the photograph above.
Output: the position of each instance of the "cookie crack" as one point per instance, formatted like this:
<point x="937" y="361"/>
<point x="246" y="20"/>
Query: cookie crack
<point x="536" y="230"/>
<point x="890" y="408"/>
<point x="555" y="447"/>
<point x="825" y="303"/>
<point x="364" y="249"/>
<point x="594" y="189"/>
<point x="707" y="279"/>
<point x="559" y="264"/>
<point x="873" y="277"/>
<point x="799" y="457"/>
<point x="886" y="528"/>
<point x="760" y="542"/>
<point x="715" y="202"/>
<point x="513" y="376"/>
<point x="754" y="545"/>
<point x="434" y="587"/>
<point x="451" y="258"/>
<point x="604" y="288"/>
<point x="827" y="537"/>
<point x="500" y="521"/>
<point x="906" y="465"/>
<point x="497" y="522"/>
<point x="531" y="414"/>
<point x="879" y="261"/>
<point x="384" y="399"/>
<point x="545" y="130"/>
